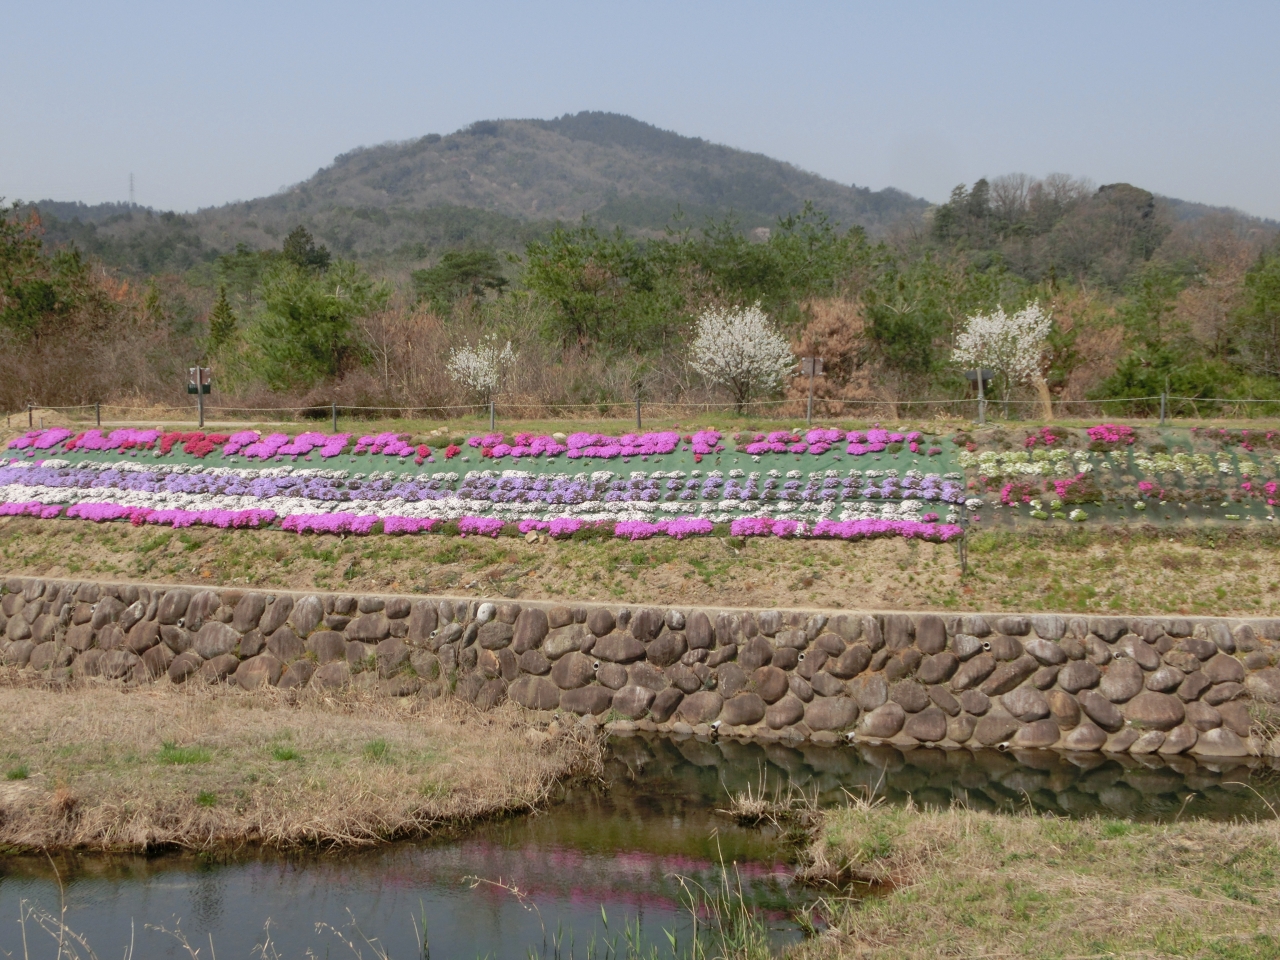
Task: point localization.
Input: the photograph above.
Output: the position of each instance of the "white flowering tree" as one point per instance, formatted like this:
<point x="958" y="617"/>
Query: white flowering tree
<point x="480" y="367"/>
<point x="740" y="349"/>
<point x="1013" y="345"/>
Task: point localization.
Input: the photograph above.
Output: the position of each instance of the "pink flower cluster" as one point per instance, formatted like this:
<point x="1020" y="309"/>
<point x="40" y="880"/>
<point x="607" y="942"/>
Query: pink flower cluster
<point x="632" y="445"/>
<point x="385" y="443"/>
<point x="762" y="527"/>
<point x="29" y="510"/>
<point x="330" y="444"/>
<point x="480" y="526"/>
<point x="239" y="441"/>
<point x="868" y="529"/>
<point x="1111" y="433"/>
<point x="328" y="523"/>
<point x="521" y="445"/>
<point x="677" y="529"/>
<point x="123" y="439"/>
<point x="847" y="529"/>
<point x="223" y="519"/>
<point x="407" y="525"/>
<point x="1045" y="435"/>
<point x="40" y="439"/>
<point x="877" y="440"/>
<point x="559" y="527"/>
<point x="267" y="447"/>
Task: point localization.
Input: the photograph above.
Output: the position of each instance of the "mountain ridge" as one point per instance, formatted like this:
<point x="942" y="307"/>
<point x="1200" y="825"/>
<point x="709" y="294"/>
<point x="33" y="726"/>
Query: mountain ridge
<point x="495" y="183"/>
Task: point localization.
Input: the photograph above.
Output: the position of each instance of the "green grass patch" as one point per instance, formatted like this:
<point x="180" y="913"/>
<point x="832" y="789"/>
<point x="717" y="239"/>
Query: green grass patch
<point x="175" y="755"/>
<point x="20" y="772"/>
<point x="285" y="754"/>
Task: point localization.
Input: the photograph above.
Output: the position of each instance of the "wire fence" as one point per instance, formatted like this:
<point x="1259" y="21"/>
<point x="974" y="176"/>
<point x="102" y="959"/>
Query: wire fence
<point x="1161" y="408"/>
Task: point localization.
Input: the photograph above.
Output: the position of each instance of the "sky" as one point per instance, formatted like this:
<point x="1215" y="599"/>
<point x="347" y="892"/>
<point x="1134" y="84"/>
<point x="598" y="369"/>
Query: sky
<point x="207" y="103"/>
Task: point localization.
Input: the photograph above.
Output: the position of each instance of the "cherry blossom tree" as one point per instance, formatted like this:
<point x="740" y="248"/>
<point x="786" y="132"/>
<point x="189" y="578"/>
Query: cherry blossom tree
<point x="740" y="349"/>
<point x="480" y="367"/>
<point x="1013" y="345"/>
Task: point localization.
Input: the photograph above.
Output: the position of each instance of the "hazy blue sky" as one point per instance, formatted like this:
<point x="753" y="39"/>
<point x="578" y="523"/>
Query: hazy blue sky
<point x="211" y="102"/>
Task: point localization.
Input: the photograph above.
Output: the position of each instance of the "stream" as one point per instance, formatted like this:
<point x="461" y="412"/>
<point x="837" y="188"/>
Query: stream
<point x="606" y="856"/>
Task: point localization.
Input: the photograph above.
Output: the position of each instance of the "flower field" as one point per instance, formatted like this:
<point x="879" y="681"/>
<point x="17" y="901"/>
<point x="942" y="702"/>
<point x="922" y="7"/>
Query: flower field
<point x="824" y="482"/>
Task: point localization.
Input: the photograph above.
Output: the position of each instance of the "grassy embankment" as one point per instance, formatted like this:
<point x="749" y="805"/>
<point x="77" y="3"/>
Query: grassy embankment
<point x="95" y="766"/>
<point x="961" y="883"/>
<point x="1201" y="571"/>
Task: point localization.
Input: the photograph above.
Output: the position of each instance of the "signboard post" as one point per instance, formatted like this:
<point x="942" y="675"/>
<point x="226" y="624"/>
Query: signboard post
<point x="811" y="367"/>
<point x="199" y="380"/>
<point x="982" y="378"/>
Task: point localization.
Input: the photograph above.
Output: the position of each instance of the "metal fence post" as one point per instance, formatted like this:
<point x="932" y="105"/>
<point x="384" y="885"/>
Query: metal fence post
<point x="1162" y="408"/>
<point x="492" y="417"/>
<point x="97" y="413"/>
<point x="335" y="416"/>
<point x="637" y="411"/>
<point x="982" y="400"/>
<point x="31" y="417"/>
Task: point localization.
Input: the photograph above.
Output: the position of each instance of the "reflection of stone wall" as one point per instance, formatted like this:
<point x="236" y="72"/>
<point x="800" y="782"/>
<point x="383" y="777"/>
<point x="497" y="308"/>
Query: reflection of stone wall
<point x="1141" y="685"/>
<point x="688" y="773"/>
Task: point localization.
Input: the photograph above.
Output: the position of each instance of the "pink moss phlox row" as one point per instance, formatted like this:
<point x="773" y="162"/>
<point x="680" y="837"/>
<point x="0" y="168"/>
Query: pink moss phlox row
<point x="223" y="519"/>
<point x="559" y="527"/>
<point x="328" y="523"/>
<point x="762" y="527"/>
<point x="390" y="444"/>
<point x="123" y="439"/>
<point x="32" y="509"/>
<point x="677" y="529"/>
<point x="847" y="529"/>
<point x="480" y="526"/>
<point x="40" y="439"/>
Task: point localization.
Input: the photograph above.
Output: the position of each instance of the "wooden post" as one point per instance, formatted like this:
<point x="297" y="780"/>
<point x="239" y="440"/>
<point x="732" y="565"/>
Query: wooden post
<point x="97" y="413"/>
<point x="31" y="417"/>
<point x="637" y="409"/>
<point x="200" y="393"/>
<point x="335" y="416"/>
<point x="982" y="400"/>
<point x="492" y="417"/>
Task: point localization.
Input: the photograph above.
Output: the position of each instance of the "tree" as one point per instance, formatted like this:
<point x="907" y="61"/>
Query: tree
<point x="480" y="367"/>
<point x="1013" y="346"/>
<point x="740" y="349"/>
<point x="308" y="331"/>
<point x="301" y="250"/>
<point x="222" y="320"/>
<point x="1258" y="322"/>
<point x="459" y="273"/>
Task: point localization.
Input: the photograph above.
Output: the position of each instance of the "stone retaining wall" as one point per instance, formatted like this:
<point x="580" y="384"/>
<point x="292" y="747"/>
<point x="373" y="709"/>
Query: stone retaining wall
<point x="1119" y="684"/>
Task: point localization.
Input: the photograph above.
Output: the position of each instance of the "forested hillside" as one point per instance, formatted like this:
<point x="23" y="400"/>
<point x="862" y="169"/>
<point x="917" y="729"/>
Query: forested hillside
<point x="290" y="307"/>
<point x="496" y="183"/>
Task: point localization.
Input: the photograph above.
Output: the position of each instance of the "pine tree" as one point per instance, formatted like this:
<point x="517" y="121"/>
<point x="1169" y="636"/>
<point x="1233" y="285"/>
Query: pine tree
<point x="222" y="321"/>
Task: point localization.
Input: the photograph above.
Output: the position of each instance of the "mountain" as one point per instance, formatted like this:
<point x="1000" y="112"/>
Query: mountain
<point x="495" y="183"/>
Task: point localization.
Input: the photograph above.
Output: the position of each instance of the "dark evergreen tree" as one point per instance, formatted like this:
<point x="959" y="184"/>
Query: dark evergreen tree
<point x="222" y="321"/>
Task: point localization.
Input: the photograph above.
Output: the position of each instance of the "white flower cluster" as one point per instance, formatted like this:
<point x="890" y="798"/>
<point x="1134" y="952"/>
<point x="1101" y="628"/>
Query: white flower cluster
<point x="1023" y="463"/>
<point x="480" y="367"/>
<point x="1012" y="345"/>
<point x="741" y="350"/>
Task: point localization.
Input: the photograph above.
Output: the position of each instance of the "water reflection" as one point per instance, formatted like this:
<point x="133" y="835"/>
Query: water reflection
<point x="1148" y="788"/>
<point x="622" y="842"/>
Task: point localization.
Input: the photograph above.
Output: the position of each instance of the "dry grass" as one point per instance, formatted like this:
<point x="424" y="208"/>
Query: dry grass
<point x="101" y="767"/>
<point x="959" y="883"/>
<point x="1205" y="572"/>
